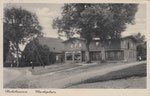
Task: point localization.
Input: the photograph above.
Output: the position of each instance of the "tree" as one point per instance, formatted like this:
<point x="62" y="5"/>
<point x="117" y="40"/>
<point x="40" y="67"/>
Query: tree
<point x="142" y="50"/>
<point x="20" y="27"/>
<point x="141" y="47"/>
<point x="140" y="37"/>
<point x="6" y="46"/>
<point x="38" y="54"/>
<point x="111" y="20"/>
<point x="95" y="20"/>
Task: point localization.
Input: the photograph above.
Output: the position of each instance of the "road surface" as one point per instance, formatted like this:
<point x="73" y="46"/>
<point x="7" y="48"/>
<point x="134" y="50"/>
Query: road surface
<point x="23" y="78"/>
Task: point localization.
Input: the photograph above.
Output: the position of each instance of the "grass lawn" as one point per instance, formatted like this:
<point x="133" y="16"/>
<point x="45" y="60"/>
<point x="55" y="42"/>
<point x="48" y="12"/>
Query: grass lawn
<point x="138" y="70"/>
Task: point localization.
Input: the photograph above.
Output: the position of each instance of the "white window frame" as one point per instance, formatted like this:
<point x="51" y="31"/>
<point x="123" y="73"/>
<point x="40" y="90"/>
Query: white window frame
<point x="75" y="45"/>
<point x="71" y="45"/>
<point x="80" y="45"/>
<point x="97" y="43"/>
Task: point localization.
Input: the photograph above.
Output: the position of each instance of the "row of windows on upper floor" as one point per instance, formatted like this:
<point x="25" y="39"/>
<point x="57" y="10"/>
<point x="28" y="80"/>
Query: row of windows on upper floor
<point x="129" y="45"/>
<point x="79" y="45"/>
<point x="76" y="45"/>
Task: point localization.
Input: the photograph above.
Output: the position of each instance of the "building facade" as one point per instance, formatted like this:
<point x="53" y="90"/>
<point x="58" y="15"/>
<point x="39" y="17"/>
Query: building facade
<point x="123" y="49"/>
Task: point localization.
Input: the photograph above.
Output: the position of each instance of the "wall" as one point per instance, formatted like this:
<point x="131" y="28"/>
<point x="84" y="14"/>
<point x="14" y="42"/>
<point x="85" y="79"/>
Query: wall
<point x="124" y="44"/>
<point x="112" y="44"/>
<point x="75" y="45"/>
<point x="95" y="46"/>
<point x="129" y="47"/>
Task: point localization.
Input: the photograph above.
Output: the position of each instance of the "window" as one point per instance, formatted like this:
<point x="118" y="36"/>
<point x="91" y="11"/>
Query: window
<point x="57" y="57"/>
<point x="80" y="45"/>
<point x="95" y="55"/>
<point x="71" y="45"/>
<point x="75" y="45"/>
<point x="69" y="56"/>
<point x="130" y="55"/>
<point x="128" y="45"/>
<point x="97" y="43"/>
<point x="77" y="56"/>
<point x="114" y="55"/>
<point x="125" y="43"/>
<point x="109" y="42"/>
<point x="131" y="45"/>
<point x="119" y="55"/>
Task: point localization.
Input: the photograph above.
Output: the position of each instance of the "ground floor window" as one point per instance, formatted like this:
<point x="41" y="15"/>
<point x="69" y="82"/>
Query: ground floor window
<point x="73" y="56"/>
<point x="77" y="56"/>
<point x="132" y="54"/>
<point x="114" y="55"/>
<point x="69" y="56"/>
<point x="95" y="55"/>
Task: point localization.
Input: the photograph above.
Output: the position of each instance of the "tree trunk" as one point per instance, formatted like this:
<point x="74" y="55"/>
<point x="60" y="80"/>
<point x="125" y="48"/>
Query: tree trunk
<point x="103" y="52"/>
<point x="88" y="53"/>
<point x="17" y="53"/>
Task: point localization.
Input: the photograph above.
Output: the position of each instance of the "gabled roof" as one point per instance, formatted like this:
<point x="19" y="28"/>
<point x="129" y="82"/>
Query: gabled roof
<point x="131" y="37"/>
<point x="54" y="44"/>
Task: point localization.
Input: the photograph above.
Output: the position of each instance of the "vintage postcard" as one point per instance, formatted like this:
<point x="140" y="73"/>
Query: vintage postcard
<point x="74" y="48"/>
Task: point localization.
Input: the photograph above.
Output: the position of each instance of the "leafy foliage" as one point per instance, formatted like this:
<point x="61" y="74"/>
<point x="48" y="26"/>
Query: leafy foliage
<point x="20" y="26"/>
<point x="38" y="54"/>
<point x="142" y="51"/>
<point x="106" y="20"/>
<point x="141" y="38"/>
<point x="95" y="20"/>
<point x="6" y="47"/>
<point x="142" y="46"/>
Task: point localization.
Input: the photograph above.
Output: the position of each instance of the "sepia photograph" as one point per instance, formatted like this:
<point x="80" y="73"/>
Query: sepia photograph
<point x="75" y="45"/>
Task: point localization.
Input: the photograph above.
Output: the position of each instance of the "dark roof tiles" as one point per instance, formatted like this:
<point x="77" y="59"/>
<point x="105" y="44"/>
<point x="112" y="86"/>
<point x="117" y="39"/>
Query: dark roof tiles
<point x="54" y="44"/>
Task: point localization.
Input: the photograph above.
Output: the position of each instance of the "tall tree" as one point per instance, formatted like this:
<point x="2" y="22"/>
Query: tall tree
<point x="95" y="20"/>
<point x="38" y="54"/>
<point x="6" y="45"/>
<point x="141" y="47"/>
<point x="20" y="26"/>
<point x="141" y="38"/>
<point x="111" y="20"/>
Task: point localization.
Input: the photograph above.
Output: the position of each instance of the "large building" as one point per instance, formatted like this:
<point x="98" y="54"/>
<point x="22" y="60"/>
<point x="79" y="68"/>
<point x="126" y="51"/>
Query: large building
<point x="123" y="49"/>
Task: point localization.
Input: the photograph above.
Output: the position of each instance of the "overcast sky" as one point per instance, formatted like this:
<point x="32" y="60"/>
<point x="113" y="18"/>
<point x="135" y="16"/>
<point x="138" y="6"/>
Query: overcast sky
<point x="47" y="12"/>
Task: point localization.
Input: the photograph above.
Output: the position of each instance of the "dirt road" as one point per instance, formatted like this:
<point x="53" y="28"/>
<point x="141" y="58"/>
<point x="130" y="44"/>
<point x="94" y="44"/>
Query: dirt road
<point x="24" y="79"/>
<point x="10" y="74"/>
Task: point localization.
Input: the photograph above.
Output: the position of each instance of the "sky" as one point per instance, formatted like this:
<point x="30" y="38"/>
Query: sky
<point x="47" y="12"/>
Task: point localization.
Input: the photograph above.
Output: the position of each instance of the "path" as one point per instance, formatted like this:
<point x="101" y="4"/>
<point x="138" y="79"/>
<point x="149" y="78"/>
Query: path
<point x="10" y="74"/>
<point x="22" y="77"/>
<point x="84" y="76"/>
